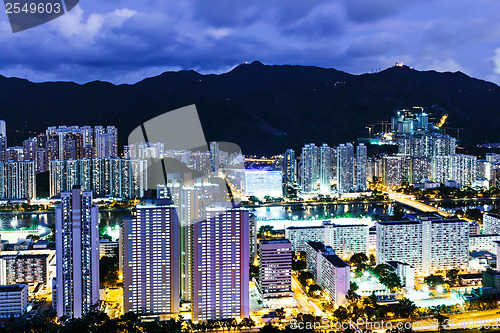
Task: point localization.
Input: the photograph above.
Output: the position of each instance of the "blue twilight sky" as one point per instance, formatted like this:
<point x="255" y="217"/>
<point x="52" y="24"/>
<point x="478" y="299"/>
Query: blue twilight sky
<point x="124" y="41"/>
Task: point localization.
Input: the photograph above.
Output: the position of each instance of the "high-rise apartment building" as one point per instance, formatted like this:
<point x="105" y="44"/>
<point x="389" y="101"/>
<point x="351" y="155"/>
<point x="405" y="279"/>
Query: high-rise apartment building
<point x="115" y="177"/>
<point x="458" y="167"/>
<point x="221" y="265"/>
<point x="17" y="180"/>
<point x="152" y="259"/>
<point x="13" y="300"/>
<point x="77" y="261"/>
<point x="309" y="168"/>
<point x="275" y="268"/>
<point x="30" y="269"/>
<point x="361" y="167"/>
<point x="191" y="199"/>
<point x="325" y="168"/>
<point x="346" y="168"/>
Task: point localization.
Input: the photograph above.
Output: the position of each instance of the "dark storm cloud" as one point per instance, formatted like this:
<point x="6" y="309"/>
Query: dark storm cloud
<point x="125" y="40"/>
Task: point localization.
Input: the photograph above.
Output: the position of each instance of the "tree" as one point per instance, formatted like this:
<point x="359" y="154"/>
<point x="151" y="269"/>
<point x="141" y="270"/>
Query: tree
<point x="405" y="308"/>
<point x="108" y="271"/>
<point x="313" y="290"/>
<point x="360" y="261"/>
<point x="442" y="322"/>
<point x="434" y="280"/>
<point x="303" y="278"/>
<point x="247" y="322"/>
<point x="373" y="261"/>
<point x="264" y="229"/>
<point x="452" y="276"/>
<point x="341" y="314"/>
<point x="387" y="276"/>
<point x="351" y="296"/>
<point x="280" y="313"/>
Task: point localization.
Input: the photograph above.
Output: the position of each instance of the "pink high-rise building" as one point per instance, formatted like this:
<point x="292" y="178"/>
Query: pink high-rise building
<point x="221" y="252"/>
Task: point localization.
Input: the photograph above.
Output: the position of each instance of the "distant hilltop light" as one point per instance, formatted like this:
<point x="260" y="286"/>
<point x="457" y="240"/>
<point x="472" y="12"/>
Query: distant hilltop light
<point x="401" y="64"/>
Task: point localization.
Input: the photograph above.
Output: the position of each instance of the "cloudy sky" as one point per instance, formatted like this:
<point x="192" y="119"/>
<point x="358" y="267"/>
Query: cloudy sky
<point x="124" y="41"/>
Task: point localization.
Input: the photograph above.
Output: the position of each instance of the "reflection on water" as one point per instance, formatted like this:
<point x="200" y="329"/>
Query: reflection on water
<point x="289" y="212"/>
<point x="27" y="220"/>
<point x="321" y="211"/>
<point x="450" y="206"/>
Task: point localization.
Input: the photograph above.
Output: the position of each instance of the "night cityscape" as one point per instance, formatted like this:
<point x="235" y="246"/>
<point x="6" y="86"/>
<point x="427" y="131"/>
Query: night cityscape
<point x="183" y="189"/>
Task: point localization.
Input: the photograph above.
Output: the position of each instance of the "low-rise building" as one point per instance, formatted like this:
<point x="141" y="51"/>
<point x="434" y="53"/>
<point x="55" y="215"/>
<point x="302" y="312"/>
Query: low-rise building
<point x="491" y="223"/>
<point x="405" y="272"/>
<point x="427" y="242"/>
<point x="275" y="268"/>
<point x="108" y="248"/>
<point x="299" y="236"/>
<point x="29" y="269"/>
<point x="13" y="300"/>
<point x="483" y="242"/>
<point x="347" y="240"/>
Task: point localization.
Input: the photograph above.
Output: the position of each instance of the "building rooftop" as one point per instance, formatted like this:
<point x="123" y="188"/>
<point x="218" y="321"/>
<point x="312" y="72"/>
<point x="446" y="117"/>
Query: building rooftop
<point x="335" y="260"/>
<point x="309" y="227"/>
<point x="470" y="276"/>
<point x="397" y="222"/>
<point x="491" y="272"/>
<point x="396" y="263"/>
<point x="494" y="215"/>
<point x="151" y="203"/>
<point x="275" y="241"/>
<point x="25" y="256"/>
<point x="482" y="254"/>
<point x="12" y="288"/>
<point x="346" y="225"/>
<point x="484" y="235"/>
<point x="317" y="246"/>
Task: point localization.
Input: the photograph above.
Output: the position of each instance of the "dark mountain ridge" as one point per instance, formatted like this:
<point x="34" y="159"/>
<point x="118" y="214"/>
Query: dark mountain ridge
<point x="265" y="109"/>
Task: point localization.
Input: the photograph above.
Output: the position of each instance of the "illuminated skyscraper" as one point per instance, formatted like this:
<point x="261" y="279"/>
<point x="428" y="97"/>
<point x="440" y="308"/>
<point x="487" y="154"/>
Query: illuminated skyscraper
<point x="361" y="167"/>
<point x="290" y="166"/>
<point x="17" y="180"/>
<point x="77" y="261"/>
<point x="192" y="202"/>
<point x="152" y="259"/>
<point x="3" y="129"/>
<point x="221" y="265"/>
<point x="345" y="168"/>
<point x="309" y="168"/>
<point x="325" y="168"/>
<point x="215" y="159"/>
<point x="30" y="148"/>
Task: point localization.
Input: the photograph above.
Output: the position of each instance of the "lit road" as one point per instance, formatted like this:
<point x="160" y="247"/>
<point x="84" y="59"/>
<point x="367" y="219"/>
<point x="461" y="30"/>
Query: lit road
<point x="307" y="305"/>
<point x="409" y="201"/>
